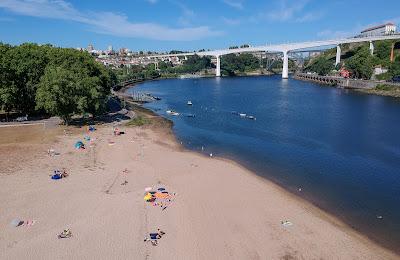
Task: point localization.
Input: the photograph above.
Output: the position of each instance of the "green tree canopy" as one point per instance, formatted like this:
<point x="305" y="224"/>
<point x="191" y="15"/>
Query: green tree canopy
<point x="33" y="79"/>
<point x="243" y="62"/>
<point x="361" y="64"/>
<point x="321" y="65"/>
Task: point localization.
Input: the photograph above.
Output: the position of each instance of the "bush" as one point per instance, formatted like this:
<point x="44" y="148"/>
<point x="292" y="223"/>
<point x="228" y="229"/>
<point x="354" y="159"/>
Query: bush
<point x="138" y="121"/>
<point x="385" y="87"/>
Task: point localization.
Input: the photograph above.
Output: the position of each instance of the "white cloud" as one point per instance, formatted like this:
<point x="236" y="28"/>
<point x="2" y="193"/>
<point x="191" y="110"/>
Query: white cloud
<point x="187" y="16"/>
<point x="105" y="22"/>
<point x="308" y="17"/>
<point x="293" y="11"/>
<point x="238" y="4"/>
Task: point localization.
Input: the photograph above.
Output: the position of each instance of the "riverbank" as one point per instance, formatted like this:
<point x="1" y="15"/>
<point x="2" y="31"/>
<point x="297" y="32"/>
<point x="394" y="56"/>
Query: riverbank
<point x="220" y="209"/>
<point x="364" y="86"/>
<point x="383" y="90"/>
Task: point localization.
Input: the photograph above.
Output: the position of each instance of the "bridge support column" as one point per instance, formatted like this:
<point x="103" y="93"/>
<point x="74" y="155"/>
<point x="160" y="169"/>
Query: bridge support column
<point x="371" y="47"/>
<point x="392" y="53"/>
<point x="218" y="68"/>
<point x="285" y="68"/>
<point x="338" y="54"/>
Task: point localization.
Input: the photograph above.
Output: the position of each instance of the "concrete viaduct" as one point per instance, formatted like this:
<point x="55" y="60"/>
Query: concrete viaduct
<point x="285" y="49"/>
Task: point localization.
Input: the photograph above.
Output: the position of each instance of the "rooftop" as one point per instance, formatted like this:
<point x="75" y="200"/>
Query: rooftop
<point x="377" y="27"/>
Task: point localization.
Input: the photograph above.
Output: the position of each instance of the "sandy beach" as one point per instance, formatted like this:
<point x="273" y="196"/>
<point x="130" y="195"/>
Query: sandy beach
<point x="220" y="210"/>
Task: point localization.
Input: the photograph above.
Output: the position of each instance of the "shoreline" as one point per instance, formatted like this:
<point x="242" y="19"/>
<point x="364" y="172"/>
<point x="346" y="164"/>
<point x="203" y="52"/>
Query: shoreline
<point x="250" y="226"/>
<point x="311" y="204"/>
<point x="394" y="93"/>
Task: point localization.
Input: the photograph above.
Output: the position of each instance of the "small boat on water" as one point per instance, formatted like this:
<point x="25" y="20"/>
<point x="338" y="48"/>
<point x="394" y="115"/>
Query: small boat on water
<point x="242" y="114"/>
<point x="251" y="117"/>
<point x="172" y="112"/>
<point x="189" y="103"/>
<point x="190" y="115"/>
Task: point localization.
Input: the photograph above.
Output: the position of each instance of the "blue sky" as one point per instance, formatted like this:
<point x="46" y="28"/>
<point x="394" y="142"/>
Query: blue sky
<point x="186" y="25"/>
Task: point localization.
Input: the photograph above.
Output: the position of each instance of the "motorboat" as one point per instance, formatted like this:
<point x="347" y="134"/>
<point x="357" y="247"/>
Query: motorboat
<point x="189" y="103"/>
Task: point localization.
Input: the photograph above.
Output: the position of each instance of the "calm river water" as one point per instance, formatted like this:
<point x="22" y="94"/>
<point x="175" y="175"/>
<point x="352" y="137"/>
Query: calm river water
<point x="341" y="148"/>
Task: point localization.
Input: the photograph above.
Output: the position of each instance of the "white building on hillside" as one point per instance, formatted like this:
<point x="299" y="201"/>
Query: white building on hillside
<point x="380" y="30"/>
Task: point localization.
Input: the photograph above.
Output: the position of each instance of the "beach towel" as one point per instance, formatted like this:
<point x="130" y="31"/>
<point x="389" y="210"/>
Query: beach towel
<point x="159" y="195"/>
<point x="155" y="236"/>
<point x="56" y="176"/>
<point x="29" y="223"/>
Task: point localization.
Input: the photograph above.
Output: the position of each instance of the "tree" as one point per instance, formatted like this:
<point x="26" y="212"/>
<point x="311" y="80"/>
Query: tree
<point x="27" y="67"/>
<point x="321" y="65"/>
<point x="57" y="93"/>
<point x="8" y="90"/>
<point x="27" y="63"/>
<point x="233" y="63"/>
<point x="394" y="69"/>
<point x="361" y="64"/>
<point x="175" y="52"/>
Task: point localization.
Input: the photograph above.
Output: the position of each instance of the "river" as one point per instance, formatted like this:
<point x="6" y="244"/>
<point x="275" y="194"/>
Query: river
<point x="338" y="149"/>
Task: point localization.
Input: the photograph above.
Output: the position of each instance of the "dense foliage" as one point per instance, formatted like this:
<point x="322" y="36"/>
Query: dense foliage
<point x="57" y="81"/>
<point x="361" y="65"/>
<point x="231" y="63"/>
<point x="321" y="65"/>
<point x="358" y="60"/>
<point x="394" y="69"/>
<point x="191" y="65"/>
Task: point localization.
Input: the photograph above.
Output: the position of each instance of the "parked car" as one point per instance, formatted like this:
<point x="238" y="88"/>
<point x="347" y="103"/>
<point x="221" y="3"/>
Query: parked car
<point x="22" y="118"/>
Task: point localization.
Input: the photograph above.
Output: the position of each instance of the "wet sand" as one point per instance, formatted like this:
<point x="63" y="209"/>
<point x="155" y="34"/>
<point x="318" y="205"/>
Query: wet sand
<point x="220" y="211"/>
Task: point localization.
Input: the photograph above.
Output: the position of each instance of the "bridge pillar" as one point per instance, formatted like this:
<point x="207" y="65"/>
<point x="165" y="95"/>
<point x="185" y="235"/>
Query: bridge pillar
<point x="285" y="69"/>
<point x="371" y="47"/>
<point x="338" y="54"/>
<point x="392" y="53"/>
<point x="218" y="68"/>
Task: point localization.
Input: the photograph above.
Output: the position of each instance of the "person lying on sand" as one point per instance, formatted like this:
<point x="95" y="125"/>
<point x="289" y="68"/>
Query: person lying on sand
<point x="153" y="237"/>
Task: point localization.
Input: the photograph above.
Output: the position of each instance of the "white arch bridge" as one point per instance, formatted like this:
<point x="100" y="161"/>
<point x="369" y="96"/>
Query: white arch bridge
<point x="285" y="49"/>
